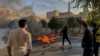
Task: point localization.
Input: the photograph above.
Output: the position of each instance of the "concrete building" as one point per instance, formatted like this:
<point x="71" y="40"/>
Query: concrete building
<point x="51" y="14"/>
<point x="66" y="15"/>
<point x="7" y="14"/>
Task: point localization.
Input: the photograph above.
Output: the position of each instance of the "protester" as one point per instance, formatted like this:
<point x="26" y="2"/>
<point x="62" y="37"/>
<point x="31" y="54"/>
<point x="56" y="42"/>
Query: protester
<point x="96" y="44"/>
<point x="19" y="40"/>
<point x="65" y="36"/>
<point x="87" y="41"/>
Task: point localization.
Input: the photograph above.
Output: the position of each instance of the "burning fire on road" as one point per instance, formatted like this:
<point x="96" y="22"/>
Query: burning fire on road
<point x="47" y="39"/>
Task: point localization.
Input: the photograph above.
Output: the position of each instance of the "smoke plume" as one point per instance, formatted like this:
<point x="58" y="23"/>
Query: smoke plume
<point x="12" y="4"/>
<point x="19" y="6"/>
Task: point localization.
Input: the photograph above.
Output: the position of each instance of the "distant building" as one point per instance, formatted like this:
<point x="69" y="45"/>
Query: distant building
<point x="66" y="15"/>
<point x="7" y="14"/>
<point x="51" y="14"/>
<point x="11" y="15"/>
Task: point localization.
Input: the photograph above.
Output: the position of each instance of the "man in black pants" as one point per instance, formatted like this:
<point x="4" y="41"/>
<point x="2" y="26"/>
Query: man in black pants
<point x="87" y="41"/>
<point x="96" y="44"/>
<point x="65" y="36"/>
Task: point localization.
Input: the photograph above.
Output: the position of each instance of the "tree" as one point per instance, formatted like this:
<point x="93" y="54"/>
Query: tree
<point x="80" y="21"/>
<point x="94" y="5"/>
<point x="44" y="23"/>
<point x="55" y="23"/>
<point x="96" y="20"/>
<point x="72" y="22"/>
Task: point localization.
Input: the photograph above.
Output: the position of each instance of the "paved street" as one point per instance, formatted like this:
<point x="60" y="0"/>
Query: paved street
<point x="55" y="49"/>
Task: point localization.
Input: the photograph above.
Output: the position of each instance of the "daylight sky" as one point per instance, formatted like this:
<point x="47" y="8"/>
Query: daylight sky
<point x="42" y="6"/>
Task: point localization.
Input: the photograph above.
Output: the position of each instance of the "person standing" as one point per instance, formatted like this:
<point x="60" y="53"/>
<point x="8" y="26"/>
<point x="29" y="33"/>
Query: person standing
<point x="65" y="36"/>
<point x="19" y="41"/>
<point x="96" y="44"/>
<point x="87" y="42"/>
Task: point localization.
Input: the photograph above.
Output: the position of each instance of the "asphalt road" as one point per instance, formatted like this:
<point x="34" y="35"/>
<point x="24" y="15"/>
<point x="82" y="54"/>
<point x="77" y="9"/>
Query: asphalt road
<point x="55" y="49"/>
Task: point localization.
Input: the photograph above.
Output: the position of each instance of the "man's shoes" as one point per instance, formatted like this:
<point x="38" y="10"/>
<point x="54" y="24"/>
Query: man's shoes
<point x="70" y="47"/>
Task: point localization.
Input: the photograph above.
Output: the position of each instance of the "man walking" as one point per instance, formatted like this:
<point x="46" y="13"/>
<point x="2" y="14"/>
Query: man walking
<point x="65" y="36"/>
<point x="19" y="41"/>
<point x="87" y="42"/>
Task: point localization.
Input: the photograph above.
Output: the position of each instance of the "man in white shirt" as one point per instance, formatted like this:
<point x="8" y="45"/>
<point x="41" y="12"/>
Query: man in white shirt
<point x="19" y="41"/>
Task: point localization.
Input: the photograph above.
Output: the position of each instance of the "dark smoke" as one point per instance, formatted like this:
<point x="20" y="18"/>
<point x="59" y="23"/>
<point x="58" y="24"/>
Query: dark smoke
<point x="26" y="11"/>
<point x="12" y="4"/>
<point x="19" y="6"/>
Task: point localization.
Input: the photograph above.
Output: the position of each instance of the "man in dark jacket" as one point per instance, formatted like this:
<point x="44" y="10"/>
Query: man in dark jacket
<point x="87" y="41"/>
<point x="96" y="44"/>
<point x="65" y="36"/>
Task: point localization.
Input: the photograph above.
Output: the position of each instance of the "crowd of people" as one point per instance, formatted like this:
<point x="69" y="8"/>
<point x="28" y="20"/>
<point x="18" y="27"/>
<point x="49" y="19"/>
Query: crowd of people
<point x="90" y="42"/>
<point x="20" y="44"/>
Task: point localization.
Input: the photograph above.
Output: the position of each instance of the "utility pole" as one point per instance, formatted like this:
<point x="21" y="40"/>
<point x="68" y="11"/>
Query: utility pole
<point x="68" y="15"/>
<point x="68" y="9"/>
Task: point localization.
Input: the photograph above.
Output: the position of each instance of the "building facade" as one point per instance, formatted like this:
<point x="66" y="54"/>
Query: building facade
<point x="66" y="15"/>
<point x="51" y="14"/>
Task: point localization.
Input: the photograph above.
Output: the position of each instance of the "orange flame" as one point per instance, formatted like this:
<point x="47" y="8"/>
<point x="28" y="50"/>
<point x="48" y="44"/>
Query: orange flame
<point x="47" y="39"/>
<point x="53" y="38"/>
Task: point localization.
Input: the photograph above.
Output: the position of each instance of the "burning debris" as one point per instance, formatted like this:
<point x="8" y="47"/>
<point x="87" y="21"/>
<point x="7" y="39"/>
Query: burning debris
<point x="47" y="40"/>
